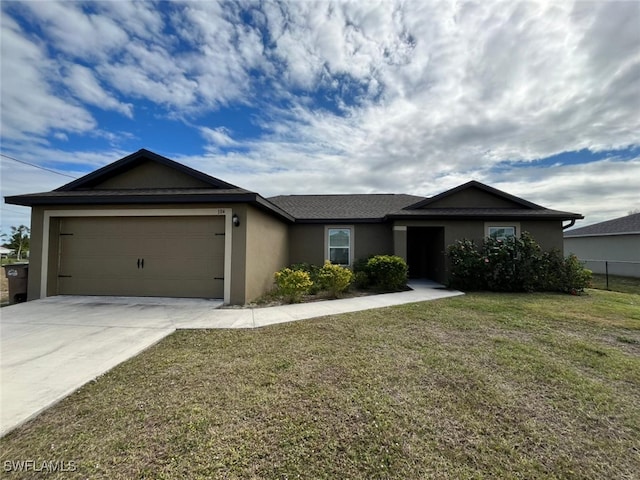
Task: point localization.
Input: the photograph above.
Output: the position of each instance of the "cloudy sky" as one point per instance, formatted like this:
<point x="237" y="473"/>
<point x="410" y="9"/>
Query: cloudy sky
<point x="541" y="99"/>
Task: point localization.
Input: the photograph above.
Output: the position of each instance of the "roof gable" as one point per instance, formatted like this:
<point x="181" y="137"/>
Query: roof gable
<point x="144" y="170"/>
<point x="474" y="194"/>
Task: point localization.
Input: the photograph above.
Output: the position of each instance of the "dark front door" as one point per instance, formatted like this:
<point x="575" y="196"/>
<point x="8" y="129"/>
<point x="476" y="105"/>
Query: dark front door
<point x="426" y="253"/>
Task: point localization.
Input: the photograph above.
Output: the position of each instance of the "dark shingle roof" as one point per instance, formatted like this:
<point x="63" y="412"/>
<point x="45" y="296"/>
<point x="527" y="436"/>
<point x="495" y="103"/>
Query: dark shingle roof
<point x="343" y="207"/>
<point x="617" y="226"/>
<point x="379" y="207"/>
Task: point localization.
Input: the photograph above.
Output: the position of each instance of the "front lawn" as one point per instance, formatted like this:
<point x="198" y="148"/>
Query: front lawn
<point x="480" y="386"/>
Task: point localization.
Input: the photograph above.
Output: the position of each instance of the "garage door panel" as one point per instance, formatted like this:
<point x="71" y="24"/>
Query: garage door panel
<point x="142" y="256"/>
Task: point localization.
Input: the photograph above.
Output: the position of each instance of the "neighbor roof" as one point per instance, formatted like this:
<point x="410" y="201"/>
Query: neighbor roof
<point x="618" y="226"/>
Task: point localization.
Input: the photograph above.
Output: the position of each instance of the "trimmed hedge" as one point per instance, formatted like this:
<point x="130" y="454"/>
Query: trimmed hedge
<point x="382" y="272"/>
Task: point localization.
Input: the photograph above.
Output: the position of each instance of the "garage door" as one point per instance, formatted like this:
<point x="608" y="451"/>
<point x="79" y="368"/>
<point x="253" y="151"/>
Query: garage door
<point x="142" y="256"/>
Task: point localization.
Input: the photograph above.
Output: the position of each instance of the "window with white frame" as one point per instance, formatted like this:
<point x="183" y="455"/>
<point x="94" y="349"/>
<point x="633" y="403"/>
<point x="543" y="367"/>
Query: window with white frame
<point x="501" y="232"/>
<point x="339" y="245"/>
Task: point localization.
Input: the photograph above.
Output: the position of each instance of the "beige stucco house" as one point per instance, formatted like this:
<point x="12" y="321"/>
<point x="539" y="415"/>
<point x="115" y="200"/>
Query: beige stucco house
<point x="148" y="226"/>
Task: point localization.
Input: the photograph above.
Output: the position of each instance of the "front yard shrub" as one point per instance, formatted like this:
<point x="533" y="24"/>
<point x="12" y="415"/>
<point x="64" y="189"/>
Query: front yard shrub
<point x="467" y="265"/>
<point x="361" y="280"/>
<point x="575" y="278"/>
<point x="387" y="272"/>
<point x="314" y="272"/>
<point x="292" y="284"/>
<point x="514" y="265"/>
<point x="334" y="278"/>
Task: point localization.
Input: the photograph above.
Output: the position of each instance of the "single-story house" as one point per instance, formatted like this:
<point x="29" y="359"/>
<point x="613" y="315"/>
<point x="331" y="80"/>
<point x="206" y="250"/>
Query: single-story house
<point x="616" y="242"/>
<point x="148" y="226"/>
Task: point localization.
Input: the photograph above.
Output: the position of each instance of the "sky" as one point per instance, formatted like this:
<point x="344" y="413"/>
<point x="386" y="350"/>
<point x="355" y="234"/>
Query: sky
<point x="539" y="99"/>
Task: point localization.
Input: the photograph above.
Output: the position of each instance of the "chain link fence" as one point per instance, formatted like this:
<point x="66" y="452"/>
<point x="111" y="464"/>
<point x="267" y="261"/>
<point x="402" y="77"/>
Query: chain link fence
<point x="615" y="275"/>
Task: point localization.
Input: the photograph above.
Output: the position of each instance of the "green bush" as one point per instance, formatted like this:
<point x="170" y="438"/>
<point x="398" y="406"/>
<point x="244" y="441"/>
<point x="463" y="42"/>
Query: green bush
<point x="334" y="278"/>
<point x="361" y="277"/>
<point x="361" y="280"/>
<point x="387" y="272"/>
<point x="314" y="272"/>
<point x="292" y="284"/>
<point x="514" y="265"/>
<point x="467" y="265"/>
<point x="575" y="277"/>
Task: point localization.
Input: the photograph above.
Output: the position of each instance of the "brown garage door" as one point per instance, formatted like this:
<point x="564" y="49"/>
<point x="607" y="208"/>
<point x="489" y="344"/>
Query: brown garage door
<point x="142" y="256"/>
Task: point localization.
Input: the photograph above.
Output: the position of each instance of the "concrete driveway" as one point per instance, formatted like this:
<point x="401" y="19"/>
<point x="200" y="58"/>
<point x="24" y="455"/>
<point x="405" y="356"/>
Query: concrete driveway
<point x="51" y="347"/>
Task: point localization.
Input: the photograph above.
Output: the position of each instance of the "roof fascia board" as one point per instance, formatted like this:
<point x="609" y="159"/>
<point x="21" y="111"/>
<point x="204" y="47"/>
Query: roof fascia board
<point x="338" y="221"/>
<point x="617" y="234"/>
<point x="453" y="216"/>
<point x="249" y="197"/>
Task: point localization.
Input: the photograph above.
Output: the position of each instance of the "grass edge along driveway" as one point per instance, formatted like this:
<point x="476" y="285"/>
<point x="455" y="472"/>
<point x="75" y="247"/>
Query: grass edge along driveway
<point x="480" y="386"/>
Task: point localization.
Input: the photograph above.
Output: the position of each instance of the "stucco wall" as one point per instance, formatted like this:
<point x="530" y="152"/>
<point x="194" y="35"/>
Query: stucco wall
<point x="548" y="234"/>
<point x="267" y="251"/>
<point x="308" y="245"/>
<point x="151" y="175"/>
<point x="373" y="239"/>
<point x="472" y="197"/>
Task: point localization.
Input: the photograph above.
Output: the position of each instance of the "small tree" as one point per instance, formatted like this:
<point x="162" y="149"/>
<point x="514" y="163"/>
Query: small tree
<point x="19" y="240"/>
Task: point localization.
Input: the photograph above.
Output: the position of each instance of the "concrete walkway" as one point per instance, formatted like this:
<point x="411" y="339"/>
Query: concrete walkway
<point x="49" y="348"/>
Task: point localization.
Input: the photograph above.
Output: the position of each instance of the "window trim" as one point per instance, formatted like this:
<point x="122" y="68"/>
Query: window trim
<point x="489" y="225"/>
<point x="351" y="229"/>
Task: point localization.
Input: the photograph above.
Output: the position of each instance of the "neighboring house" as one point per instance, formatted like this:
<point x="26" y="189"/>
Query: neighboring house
<point x="615" y="241"/>
<point x="115" y="231"/>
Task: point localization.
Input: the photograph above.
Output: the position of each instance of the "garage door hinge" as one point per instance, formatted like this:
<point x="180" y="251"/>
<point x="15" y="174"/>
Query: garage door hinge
<point x="218" y="278"/>
<point x="65" y="276"/>
<point x="66" y="234"/>
<point x="219" y="234"/>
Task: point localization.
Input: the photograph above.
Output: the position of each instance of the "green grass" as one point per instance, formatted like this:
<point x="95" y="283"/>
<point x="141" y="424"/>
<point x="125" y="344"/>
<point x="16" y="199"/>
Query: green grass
<point x="480" y="386"/>
<point x="616" y="283"/>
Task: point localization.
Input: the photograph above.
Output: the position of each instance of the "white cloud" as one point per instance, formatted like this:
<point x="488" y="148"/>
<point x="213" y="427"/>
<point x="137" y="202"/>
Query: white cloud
<point x="30" y="104"/>
<point x="219" y="137"/>
<point x="416" y="96"/>
<point x="83" y="84"/>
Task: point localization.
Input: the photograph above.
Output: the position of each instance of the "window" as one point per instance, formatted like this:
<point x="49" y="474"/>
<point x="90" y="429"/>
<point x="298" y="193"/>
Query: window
<point x="502" y="233"/>
<point x="339" y="245"/>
